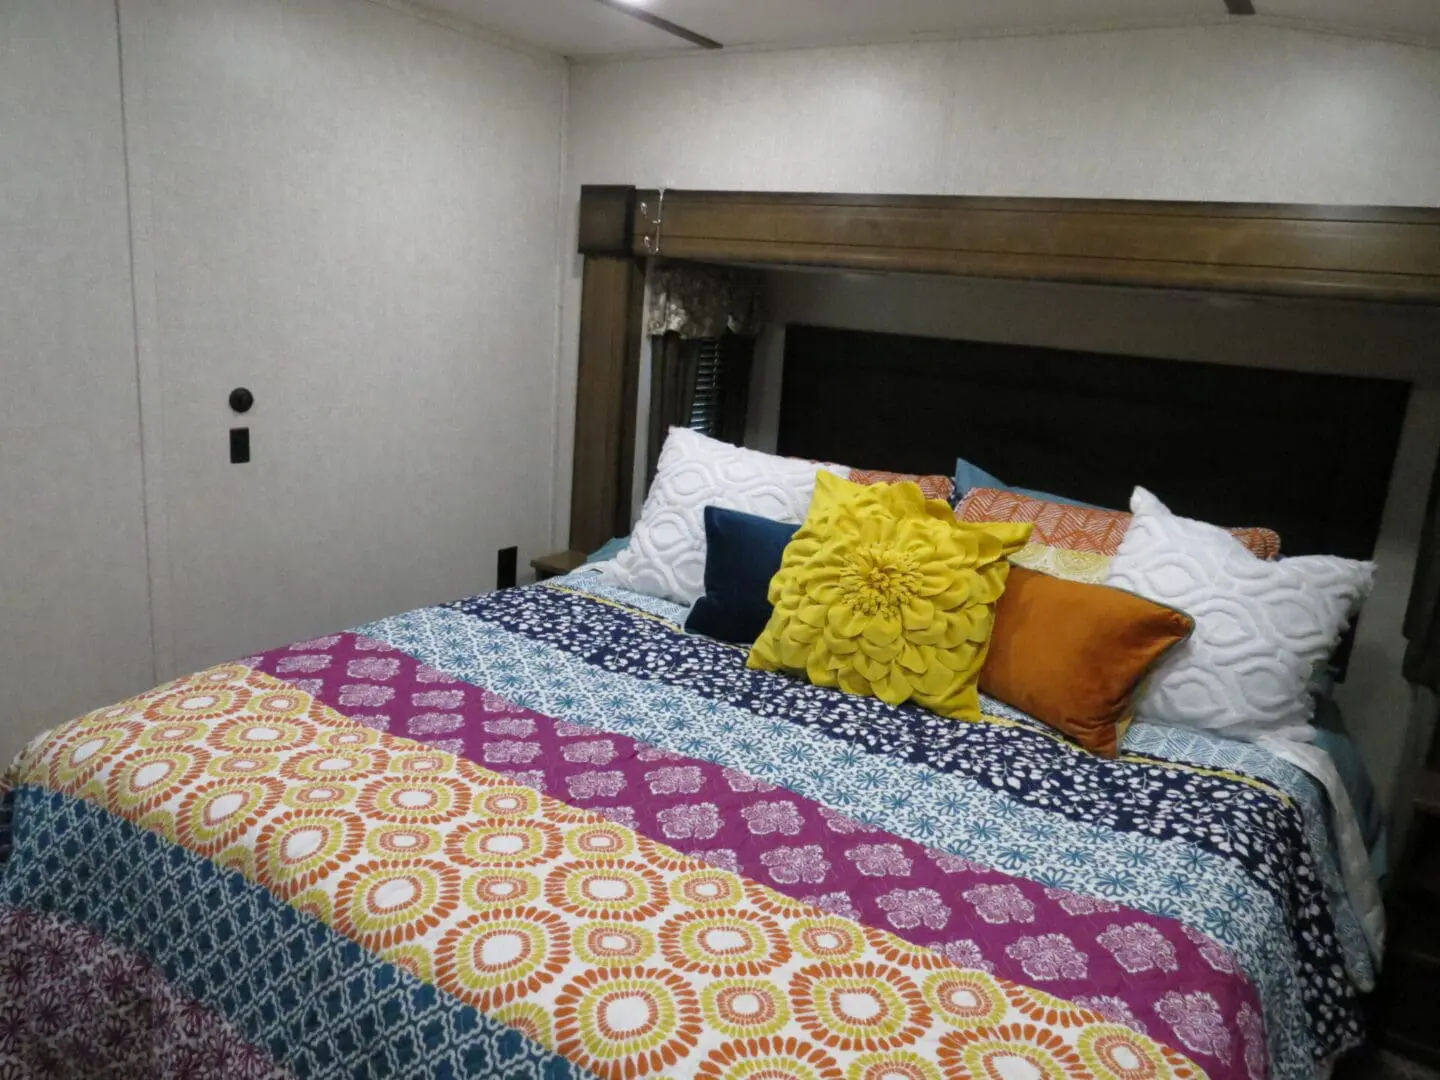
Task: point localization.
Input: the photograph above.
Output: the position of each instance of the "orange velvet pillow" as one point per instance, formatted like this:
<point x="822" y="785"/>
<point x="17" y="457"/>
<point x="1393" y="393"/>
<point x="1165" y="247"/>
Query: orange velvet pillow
<point x="1074" y="655"/>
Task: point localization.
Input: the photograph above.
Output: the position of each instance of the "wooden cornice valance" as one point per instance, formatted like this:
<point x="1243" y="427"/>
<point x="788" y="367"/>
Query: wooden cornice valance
<point x="1330" y="252"/>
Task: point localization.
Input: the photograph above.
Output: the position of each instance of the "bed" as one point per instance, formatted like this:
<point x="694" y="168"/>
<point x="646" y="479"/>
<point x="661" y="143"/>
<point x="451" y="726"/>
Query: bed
<point x="544" y="833"/>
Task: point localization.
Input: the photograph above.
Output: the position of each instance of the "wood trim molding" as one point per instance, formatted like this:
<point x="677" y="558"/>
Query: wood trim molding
<point x="607" y="219"/>
<point x="612" y="300"/>
<point x="1354" y="253"/>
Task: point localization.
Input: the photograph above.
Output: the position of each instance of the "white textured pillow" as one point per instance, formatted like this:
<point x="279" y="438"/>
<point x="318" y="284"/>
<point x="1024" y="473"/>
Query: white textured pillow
<point x="666" y="556"/>
<point x="1261" y="628"/>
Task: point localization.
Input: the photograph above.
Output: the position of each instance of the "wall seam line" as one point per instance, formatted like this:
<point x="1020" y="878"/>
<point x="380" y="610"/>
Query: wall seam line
<point x="135" y="342"/>
<point x="148" y="391"/>
<point x="558" y="367"/>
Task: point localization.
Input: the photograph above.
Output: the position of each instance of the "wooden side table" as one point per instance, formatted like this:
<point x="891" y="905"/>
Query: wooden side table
<point x="1410" y="982"/>
<point x="562" y="562"/>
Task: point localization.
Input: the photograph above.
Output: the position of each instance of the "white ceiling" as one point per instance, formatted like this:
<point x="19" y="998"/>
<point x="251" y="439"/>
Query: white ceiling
<point x="1418" y="19"/>
<point x="582" y="28"/>
<point x="568" y="27"/>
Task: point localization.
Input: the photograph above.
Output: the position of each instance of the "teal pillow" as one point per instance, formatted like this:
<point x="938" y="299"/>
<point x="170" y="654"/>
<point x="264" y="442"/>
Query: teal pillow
<point x="609" y="549"/>
<point x="969" y="476"/>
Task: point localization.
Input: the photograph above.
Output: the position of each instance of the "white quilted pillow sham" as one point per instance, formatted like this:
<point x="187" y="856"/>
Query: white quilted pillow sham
<point x="1261" y="628"/>
<point x="666" y="556"/>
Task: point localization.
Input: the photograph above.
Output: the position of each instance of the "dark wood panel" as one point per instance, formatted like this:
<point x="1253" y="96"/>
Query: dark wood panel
<point x="1308" y="455"/>
<point x="1173" y="208"/>
<point x="1307" y="284"/>
<point x="612" y="301"/>
<point x="1361" y="253"/>
<point x="607" y="220"/>
<point x="1278" y="243"/>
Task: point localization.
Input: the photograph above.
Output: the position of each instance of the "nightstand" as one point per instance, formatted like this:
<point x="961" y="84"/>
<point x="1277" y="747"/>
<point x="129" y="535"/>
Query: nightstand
<point x="562" y="562"/>
<point x="1410" y="982"/>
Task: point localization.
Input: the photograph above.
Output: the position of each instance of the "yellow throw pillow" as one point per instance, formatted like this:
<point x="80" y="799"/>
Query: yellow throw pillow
<point x="884" y="594"/>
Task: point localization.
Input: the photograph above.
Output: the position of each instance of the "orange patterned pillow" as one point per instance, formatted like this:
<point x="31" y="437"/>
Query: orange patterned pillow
<point x="1079" y="528"/>
<point x="933" y="487"/>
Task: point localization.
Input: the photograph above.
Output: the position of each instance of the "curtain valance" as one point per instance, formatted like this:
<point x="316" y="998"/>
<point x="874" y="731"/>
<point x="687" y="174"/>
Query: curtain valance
<point x="696" y="300"/>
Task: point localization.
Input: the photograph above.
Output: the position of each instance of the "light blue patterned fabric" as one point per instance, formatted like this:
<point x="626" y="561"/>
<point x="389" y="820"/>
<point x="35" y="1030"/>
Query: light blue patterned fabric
<point x="944" y="810"/>
<point x="592" y="582"/>
<point x="1181" y="744"/>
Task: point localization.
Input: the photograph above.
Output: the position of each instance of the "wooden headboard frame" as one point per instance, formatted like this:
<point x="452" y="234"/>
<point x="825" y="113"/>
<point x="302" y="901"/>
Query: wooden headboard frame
<point x="1369" y="254"/>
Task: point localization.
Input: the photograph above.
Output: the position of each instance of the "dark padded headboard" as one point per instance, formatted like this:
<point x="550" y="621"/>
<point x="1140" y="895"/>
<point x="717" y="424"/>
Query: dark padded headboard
<point x="1307" y="455"/>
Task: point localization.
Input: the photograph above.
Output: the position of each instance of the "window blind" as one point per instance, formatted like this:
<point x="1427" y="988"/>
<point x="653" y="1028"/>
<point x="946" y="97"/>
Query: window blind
<point x="705" y="409"/>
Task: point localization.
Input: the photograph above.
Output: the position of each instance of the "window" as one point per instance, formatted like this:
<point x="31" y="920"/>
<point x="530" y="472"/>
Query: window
<point x="709" y="369"/>
<point x="699" y="383"/>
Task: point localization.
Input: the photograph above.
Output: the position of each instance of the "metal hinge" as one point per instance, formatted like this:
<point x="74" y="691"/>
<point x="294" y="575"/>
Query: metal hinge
<point x="652" y="242"/>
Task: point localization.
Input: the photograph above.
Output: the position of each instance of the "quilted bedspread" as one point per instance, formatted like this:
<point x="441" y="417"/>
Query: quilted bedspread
<point x="545" y="834"/>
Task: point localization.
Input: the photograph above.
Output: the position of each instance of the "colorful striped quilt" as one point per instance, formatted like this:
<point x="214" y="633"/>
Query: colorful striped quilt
<point x="544" y="834"/>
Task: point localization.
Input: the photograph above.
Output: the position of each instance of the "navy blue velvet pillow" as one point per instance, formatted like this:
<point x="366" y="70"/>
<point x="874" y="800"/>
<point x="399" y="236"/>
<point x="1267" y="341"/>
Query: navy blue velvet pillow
<point x="742" y="554"/>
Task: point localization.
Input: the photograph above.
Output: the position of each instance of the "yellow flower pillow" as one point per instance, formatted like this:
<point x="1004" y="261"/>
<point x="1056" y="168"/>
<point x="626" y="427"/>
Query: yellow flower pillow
<point x="885" y="594"/>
